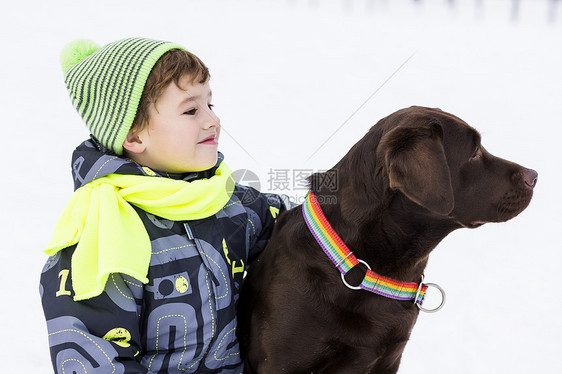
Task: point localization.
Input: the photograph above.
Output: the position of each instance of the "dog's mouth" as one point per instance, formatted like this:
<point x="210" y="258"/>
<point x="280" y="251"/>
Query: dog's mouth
<point x="513" y="203"/>
<point x="476" y="224"/>
<point x="509" y="206"/>
<point x="468" y="223"/>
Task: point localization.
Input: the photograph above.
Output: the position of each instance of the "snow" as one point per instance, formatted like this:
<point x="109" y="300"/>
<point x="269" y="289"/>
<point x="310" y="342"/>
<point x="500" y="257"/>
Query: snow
<point x="286" y="76"/>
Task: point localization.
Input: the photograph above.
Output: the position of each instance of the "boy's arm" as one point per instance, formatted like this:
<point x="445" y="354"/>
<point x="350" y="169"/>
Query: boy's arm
<point x="264" y="208"/>
<point x="97" y="335"/>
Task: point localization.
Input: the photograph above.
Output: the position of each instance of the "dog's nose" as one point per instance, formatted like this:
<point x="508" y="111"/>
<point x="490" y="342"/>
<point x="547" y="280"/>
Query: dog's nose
<point x="530" y="178"/>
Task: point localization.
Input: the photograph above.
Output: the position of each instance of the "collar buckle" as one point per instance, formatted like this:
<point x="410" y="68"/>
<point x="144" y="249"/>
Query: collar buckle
<point x="419" y="304"/>
<point x="343" y="275"/>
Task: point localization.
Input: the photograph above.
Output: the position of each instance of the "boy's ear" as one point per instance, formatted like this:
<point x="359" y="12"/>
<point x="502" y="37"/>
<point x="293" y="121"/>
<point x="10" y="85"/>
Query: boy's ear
<point x="133" y="143"/>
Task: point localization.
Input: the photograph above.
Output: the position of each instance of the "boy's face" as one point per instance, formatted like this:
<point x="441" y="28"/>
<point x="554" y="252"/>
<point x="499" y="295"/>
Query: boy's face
<point x="183" y="131"/>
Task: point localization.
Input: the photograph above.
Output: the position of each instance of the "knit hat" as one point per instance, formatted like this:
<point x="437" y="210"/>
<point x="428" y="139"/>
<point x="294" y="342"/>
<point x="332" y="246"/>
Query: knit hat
<point x="106" y="83"/>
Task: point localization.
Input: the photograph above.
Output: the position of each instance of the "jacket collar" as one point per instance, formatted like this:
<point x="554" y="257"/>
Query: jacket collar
<point x="91" y="160"/>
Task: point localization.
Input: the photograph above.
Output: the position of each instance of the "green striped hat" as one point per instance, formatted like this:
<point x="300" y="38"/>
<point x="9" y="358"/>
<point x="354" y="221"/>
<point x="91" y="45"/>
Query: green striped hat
<point x="106" y="83"/>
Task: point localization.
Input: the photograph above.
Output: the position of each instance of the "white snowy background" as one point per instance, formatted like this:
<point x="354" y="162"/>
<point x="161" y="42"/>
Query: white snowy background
<point x="286" y="75"/>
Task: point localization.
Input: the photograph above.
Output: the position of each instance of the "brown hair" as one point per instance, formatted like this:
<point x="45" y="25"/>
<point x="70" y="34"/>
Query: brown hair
<point x="171" y="67"/>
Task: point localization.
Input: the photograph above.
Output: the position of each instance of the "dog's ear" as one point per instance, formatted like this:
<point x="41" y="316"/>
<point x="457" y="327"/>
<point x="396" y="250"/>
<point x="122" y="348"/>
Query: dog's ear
<point x="417" y="166"/>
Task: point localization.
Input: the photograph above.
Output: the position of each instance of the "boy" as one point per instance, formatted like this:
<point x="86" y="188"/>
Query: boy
<point x="148" y="256"/>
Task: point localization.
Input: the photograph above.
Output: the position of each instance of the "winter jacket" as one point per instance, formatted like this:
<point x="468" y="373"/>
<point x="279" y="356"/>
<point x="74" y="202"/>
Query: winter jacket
<point x="184" y="319"/>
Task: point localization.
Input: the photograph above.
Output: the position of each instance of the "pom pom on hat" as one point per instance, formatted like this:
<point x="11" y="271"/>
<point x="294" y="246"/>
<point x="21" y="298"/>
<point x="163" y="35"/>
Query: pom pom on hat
<point x="76" y="51"/>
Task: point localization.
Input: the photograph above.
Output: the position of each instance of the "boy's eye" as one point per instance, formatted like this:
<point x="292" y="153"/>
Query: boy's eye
<point x="211" y="106"/>
<point x="191" y="112"/>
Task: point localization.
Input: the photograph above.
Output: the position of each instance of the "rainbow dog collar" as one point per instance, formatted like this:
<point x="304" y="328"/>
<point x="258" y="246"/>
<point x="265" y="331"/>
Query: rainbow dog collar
<point x="345" y="260"/>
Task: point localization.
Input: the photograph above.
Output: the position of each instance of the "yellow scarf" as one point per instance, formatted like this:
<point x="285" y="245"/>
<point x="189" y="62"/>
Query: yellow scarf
<point x="111" y="236"/>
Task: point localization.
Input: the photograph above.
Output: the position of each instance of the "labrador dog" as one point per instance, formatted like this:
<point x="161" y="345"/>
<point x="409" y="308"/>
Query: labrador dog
<point x="416" y="176"/>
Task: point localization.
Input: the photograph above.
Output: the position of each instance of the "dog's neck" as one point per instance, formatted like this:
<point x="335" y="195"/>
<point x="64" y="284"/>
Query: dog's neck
<point x="378" y="227"/>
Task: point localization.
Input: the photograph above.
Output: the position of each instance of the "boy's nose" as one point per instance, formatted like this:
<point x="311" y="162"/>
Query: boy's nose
<point x="212" y="120"/>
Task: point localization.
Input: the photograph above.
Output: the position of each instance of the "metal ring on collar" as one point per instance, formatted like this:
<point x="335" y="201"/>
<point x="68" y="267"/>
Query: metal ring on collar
<point x="443" y="299"/>
<point x="349" y="285"/>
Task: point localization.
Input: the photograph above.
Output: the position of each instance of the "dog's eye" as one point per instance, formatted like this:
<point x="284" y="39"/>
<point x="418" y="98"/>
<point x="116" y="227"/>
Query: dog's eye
<point x="477" y="154"/>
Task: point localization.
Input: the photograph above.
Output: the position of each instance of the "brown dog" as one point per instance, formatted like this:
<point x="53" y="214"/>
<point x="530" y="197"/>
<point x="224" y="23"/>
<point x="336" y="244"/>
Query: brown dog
<point x="416" y="176"/>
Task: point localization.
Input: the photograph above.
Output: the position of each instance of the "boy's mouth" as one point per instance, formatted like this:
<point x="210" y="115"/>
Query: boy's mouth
<point x="210" y="140"/>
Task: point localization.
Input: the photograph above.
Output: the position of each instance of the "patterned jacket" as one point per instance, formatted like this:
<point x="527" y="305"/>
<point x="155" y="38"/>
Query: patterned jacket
<point x="184" y="319"/>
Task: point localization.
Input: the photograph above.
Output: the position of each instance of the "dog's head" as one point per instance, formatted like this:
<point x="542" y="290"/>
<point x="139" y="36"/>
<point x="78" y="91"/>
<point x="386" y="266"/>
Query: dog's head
<point x="435" y="160"/>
